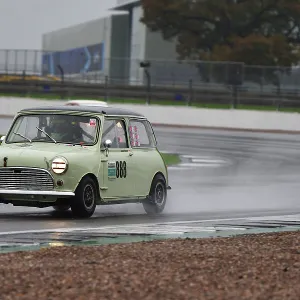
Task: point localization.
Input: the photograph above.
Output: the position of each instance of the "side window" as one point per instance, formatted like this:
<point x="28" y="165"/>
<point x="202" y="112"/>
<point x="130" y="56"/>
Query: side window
<point x="115" y="130"/>
<point x="140" y="134"/>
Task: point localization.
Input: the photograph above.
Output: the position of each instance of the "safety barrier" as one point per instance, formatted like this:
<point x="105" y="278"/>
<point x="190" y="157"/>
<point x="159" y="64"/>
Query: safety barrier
<point x="269" y="121"/>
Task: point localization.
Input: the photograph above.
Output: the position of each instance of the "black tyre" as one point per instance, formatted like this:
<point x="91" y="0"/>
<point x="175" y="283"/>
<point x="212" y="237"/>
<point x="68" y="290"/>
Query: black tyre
<point x="83" y="205"/>
<point x="157" y="199"/>
<point x="62" y="208"/>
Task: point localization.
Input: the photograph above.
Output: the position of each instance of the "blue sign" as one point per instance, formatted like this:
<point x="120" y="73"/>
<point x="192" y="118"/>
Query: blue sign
<point x="74" y="61"/>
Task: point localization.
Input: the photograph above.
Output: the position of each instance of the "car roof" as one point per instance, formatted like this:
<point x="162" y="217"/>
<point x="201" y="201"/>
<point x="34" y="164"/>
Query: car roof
<point x="113" y="111"/>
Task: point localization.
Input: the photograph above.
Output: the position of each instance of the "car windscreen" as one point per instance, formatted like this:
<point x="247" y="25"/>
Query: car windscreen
<point x="67" y="129"/>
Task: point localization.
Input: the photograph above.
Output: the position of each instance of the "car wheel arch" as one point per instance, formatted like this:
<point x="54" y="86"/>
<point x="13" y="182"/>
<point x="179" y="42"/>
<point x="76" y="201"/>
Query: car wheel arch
<point x="156" y="174"/>
<point x="95" y="179"/>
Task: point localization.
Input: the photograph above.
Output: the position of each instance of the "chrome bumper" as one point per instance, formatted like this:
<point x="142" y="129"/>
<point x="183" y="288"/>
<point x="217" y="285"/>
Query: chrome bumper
<point x="42" y="193"/>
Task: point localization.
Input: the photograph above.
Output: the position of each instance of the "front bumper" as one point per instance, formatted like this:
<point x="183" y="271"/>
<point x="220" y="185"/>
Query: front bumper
<point x="38" y="193"/>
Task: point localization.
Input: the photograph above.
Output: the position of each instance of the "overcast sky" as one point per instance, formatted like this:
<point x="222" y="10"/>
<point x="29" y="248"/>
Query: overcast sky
<point x="22" y="22"/>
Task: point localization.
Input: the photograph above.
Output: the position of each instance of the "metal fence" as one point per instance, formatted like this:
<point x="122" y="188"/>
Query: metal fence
<point x="208" y="75"/>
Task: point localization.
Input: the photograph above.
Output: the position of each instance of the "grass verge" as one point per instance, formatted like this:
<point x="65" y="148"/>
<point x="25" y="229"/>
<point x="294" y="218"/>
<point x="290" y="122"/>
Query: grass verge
<point x="171" y="159"/>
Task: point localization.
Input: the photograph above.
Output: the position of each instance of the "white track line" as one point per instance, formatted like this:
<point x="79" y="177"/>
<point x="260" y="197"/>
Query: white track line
<point x="66" y="230"/>
<point x="199" y="157"/>
<point x="212" y="161"/>
<point x="197" y="165"/>
<point x="179" y="168"/>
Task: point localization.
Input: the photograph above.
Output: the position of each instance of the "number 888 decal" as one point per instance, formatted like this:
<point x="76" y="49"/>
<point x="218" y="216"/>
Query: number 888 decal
<point x="121" y="169"/>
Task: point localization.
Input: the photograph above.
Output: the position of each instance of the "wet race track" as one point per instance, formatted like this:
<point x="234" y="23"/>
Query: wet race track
<point x="228" y="180"/>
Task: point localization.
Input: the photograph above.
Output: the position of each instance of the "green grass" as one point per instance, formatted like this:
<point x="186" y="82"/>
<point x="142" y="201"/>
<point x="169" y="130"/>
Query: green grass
<point x="171" y="159"/>
<point x="50" y="97"/>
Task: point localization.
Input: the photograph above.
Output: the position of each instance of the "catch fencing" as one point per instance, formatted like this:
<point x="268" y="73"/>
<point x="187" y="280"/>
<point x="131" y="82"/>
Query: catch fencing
<point x="189" y="81"/>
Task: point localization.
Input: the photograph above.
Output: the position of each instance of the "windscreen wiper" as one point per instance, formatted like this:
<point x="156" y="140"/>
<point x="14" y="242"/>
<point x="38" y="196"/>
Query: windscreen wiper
<point x="43" y="131"/>
<point x="24" y="137"/>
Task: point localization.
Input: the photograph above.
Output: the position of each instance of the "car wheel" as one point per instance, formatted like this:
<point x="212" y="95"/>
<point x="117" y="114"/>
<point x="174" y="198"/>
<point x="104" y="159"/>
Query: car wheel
<point x="157" y="199"/>
<point x="83" y="205"/>
<point x="61" y="208"/>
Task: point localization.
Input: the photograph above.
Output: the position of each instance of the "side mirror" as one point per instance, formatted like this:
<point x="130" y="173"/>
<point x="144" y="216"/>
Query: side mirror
<point x="2" y="139"/>
<point x="107" y="144"/>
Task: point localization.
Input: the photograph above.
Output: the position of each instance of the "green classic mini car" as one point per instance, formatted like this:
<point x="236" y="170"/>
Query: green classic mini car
<point x="79" y="157"/>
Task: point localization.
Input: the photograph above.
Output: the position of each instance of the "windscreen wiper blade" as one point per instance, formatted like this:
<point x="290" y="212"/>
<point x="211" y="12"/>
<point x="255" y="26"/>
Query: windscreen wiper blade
<point x="23" y="136"/>
<point x="43" y="131"/>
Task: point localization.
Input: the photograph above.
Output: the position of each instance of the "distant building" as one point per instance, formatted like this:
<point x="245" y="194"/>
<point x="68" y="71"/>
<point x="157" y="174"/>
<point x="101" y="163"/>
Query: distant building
<point x="88" y="48"/>
<point x="112" y="46"/>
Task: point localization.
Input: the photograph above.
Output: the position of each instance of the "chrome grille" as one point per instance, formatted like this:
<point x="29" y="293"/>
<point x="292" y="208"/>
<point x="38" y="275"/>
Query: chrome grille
<point x="25" y="179"/>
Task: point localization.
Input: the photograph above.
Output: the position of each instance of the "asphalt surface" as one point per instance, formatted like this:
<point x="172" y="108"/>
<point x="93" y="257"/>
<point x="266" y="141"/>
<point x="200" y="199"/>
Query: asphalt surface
<point x="229" y="175"/>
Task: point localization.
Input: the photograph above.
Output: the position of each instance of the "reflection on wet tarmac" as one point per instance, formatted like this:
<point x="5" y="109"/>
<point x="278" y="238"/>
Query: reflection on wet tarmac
<point x="259" y="177"/>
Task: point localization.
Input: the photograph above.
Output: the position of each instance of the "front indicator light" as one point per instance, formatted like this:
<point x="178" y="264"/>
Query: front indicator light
<point x="60" y="182"/>
<point x="59" y="165"/>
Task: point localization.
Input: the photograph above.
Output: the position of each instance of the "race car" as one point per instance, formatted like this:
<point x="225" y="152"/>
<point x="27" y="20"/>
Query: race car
<point x="79" y="157"/>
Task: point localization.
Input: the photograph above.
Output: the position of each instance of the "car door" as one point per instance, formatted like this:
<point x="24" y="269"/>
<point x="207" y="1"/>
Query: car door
<point x="116" y="162"/>
<point x="144" y="153"/>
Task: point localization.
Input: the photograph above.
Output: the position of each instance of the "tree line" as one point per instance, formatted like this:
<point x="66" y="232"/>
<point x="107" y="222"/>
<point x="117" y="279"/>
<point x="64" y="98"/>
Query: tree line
<point x="254" y="32"/>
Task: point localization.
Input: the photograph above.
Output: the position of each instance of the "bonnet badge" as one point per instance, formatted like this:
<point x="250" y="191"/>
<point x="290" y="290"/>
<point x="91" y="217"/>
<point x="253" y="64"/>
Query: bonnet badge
<point x="5" y="162"/>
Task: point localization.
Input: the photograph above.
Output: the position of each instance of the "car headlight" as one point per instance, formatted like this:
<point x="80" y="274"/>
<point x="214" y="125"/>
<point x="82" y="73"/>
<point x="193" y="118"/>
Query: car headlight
<point x="59" y="165"/>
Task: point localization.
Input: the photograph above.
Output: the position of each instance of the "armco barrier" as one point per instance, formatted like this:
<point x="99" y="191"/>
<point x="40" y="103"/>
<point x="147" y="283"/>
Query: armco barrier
<point x="220" y="118"/>
<point x="9" y="106"/>
<point x="185" y="116"/>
